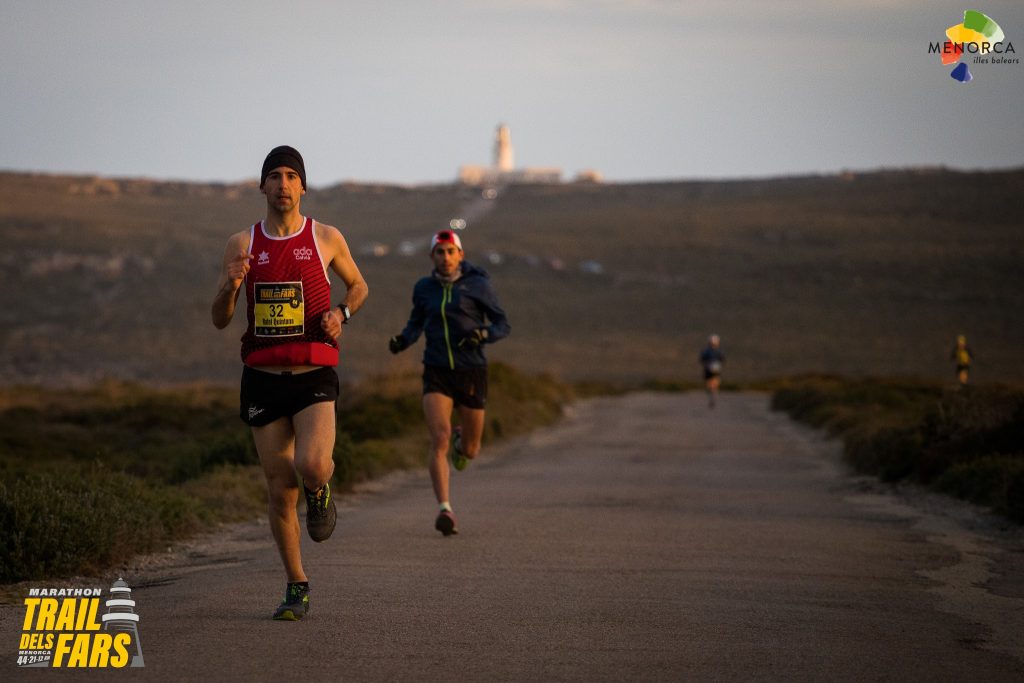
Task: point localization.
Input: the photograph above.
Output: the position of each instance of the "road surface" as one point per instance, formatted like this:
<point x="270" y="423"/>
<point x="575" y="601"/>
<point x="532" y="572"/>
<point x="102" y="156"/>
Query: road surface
<point x="644" y="537"/>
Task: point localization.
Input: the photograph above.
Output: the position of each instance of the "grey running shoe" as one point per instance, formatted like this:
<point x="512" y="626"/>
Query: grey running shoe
<point x="321" y="515"/>
<point x="445" y="523"/>
<point x="459" y="461"/>
<point x="295" y="604"/>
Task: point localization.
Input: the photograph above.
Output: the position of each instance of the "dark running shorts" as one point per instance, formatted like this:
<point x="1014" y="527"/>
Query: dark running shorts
<point x="466" y="386"/>
<point x="266" y="396"/>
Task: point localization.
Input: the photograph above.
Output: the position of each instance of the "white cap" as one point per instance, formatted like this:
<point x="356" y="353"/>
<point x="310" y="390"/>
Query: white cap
<point x="445" y="237"/>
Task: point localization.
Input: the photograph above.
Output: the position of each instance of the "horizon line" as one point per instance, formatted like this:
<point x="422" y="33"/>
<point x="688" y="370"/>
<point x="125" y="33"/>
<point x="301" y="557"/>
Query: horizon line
<point x="254" y="181"/>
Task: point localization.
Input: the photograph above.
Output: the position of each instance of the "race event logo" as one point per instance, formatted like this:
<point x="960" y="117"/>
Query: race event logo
<point x="63" y="629"/>
<point x="978" y="39"/>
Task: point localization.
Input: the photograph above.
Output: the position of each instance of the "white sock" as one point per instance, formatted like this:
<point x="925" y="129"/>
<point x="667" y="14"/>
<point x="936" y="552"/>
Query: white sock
<point x="446" y="506"/>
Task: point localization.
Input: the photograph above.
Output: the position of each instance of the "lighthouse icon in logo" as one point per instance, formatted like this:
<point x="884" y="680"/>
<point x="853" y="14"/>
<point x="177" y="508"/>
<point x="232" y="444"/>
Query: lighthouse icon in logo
<point x="121" y="617"/>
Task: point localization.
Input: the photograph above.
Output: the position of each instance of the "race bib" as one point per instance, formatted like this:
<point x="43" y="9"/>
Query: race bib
<point x="278" y="310"/>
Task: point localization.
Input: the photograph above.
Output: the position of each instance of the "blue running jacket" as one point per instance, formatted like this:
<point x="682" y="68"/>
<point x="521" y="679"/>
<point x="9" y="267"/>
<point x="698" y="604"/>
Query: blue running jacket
<point x="449" y="312"/>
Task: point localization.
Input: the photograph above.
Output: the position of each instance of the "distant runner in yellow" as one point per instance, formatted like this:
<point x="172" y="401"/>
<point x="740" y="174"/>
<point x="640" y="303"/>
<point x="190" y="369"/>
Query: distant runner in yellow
<point x="456" y="308"/>
<point x="962" y="357"/>
<point x="289" y="350"/>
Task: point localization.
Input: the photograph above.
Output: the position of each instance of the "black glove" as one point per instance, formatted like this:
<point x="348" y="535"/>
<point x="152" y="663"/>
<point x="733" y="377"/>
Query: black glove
<point x="474" y="338"/>
<point x="397" y="344"/>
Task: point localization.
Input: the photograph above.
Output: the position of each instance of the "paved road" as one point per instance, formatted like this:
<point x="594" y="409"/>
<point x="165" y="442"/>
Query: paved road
<point x="643" y="538"/>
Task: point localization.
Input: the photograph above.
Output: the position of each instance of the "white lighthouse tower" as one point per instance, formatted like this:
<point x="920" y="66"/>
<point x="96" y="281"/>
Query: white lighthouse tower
<point x="503" y="171"/>
<point x="121" y="617"/>
<point x="504" y="160"/>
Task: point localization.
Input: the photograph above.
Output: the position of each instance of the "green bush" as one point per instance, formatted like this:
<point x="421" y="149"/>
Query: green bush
<point x="357" y="462"/>
<point x="77" y="520"/>
<point x="992" y="480"/>
<point x="891" y="453"/>
<point x="968" y="424"/>
<point x="965" y="441"/>
<point x="517" y="402"/>
<point x="379" y="417"/>
<point x="191" y="460"/>
<point x="89" y="478"/>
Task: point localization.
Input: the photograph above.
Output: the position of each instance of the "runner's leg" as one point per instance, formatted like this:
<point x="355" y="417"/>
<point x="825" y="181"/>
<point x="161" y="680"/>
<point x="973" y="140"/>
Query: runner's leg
<point x="712" y="385"/>
<point x="275" y="444"/>
<point x="314" y="443"/>
<point x="472" y="430"/>
<point x="437" y="409"/>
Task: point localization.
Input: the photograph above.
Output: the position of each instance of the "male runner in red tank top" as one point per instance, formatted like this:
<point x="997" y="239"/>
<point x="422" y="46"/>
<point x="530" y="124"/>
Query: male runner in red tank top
<point x="290" y="348"/>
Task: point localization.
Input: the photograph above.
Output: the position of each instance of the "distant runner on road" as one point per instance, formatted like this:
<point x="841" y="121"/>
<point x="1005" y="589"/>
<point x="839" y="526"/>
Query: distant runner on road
<point x="962" y="357"/>
<point x="289" y="350"/>
<point x="457" y="309"/>
<point x="712" y="359"/>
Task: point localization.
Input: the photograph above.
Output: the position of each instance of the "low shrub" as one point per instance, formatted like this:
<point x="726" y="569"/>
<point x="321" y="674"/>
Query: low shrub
<point x="993" y="480"/>
<point x="891" y="453"/>
<point x="374" y="416"/>
<point x="965" y="441"/>
<point x="356" y="462"/>
<point x="89" y="478"/>
<point x="74" y="520"/>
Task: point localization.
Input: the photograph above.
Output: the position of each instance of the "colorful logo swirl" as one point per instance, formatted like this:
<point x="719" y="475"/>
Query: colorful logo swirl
<point x="977" y="34"/>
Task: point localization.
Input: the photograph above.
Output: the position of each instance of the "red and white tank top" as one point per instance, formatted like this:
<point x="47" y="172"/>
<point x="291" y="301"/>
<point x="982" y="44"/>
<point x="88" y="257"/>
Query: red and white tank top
<point x="287" y="291"/>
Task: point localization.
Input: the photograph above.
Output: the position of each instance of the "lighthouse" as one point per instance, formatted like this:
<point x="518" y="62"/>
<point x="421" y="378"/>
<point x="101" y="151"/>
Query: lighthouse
<point x="503" y="169"/>
<point x="121" y="617"/>
<point x="503" y="157"/>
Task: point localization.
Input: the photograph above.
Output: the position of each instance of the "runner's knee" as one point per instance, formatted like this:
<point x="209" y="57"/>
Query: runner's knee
<point x="315" y="472"/>
<point x="440" y="436"/>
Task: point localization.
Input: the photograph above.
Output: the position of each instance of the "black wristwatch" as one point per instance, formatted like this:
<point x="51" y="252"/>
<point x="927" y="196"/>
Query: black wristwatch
<point x="346" y="314"/>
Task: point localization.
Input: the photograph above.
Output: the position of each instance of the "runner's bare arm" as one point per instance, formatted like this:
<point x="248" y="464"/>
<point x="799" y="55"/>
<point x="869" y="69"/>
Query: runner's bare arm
<point x="236" y="265"/>
<point x="340" y="259"/>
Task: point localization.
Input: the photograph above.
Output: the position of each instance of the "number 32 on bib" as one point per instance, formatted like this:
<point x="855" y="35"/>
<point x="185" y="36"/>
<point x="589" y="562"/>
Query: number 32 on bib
<point x="278" y="309"/>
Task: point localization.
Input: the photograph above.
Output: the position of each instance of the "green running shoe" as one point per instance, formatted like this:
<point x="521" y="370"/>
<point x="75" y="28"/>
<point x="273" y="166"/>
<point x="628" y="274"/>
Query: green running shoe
<point x="321" y="515"/>
<point x="459" y="461"/>
<point x="295" y="604"/>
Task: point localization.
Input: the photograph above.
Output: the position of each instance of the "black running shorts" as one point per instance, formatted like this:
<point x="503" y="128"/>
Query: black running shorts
<point x="266" y="396"/>
<point x="466" y="386"/>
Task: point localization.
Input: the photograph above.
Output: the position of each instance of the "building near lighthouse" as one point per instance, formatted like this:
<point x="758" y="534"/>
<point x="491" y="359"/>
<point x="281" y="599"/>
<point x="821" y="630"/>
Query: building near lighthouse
<point x="503" y="171"/>
<point x="121" y="617"/>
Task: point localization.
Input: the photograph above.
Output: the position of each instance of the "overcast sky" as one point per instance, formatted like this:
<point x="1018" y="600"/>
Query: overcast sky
<point x="408" y="91"/>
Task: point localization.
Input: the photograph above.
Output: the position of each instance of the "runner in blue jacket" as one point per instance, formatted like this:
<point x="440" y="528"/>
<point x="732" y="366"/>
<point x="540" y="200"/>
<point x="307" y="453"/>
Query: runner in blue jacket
<point x="458" y="311"/>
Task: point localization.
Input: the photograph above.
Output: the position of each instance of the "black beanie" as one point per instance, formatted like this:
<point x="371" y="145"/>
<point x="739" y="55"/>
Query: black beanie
<point x="284" y="156"/>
